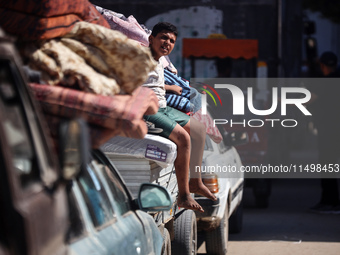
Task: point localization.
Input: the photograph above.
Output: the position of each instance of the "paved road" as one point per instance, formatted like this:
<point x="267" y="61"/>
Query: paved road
<point x="286" y="226"/>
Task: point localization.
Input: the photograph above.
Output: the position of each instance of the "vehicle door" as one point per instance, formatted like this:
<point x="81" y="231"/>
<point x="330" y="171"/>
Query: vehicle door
<point x="110" y="225"/>
<point x="231" y="160"/>
<point x="145" y="237"/>
<point x="34" y="211"/>
<point x="224" y="160"/>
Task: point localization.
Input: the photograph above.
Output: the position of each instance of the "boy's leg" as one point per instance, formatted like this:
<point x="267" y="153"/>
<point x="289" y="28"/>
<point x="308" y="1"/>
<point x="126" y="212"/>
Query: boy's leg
<point x="166" y="119"/>
<point x="182" y="139"/>
<point x="173" y="131"/>
<point x="197" y="133"/>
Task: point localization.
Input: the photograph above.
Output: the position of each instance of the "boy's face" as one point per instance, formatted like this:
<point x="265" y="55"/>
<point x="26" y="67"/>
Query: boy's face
<point x="162" y="44"/>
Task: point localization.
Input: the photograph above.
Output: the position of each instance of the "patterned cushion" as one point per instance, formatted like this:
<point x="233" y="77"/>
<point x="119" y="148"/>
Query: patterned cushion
<point x="121" y="114"/>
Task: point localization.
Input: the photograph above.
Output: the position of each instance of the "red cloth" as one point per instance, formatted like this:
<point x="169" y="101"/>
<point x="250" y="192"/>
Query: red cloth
<point x="46" y="19"/>
<point x="212" y="131"/>
<point x="120" y="114"/>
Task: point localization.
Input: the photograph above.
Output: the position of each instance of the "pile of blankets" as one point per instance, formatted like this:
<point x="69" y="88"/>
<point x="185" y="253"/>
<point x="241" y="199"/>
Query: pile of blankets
<point x="87" y="69"/>
<point x="89" y="56"/>
<point x="46" y="19"/>
<point x="129" y="26"/>
<point x="95" y="58"/>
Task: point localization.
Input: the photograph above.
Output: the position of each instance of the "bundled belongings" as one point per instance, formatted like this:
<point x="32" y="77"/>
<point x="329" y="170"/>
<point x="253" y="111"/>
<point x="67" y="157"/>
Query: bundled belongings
<point x="87" y="69"/>
<point x="83" y="51"/>
<point x="46" y="19"/>
<point x="129" y="61"/>
<point x="97" y="59"/>
<point x="189" y="100"/>
<point x="128" y="26"/>
<point x="119" y="115"/>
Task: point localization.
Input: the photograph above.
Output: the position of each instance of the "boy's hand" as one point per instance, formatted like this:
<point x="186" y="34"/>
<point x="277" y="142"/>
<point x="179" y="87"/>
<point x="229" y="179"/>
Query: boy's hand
<point x="174" y="89"/>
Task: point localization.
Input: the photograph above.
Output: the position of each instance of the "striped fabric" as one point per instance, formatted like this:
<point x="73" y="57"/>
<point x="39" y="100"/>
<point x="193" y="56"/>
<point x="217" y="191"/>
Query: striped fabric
<point x="46" y="19"/>
<point x="180" y="102"/>
<point x="184" y="100"/>
<point x="118" y="115"/>
<point x="173" y="79"/>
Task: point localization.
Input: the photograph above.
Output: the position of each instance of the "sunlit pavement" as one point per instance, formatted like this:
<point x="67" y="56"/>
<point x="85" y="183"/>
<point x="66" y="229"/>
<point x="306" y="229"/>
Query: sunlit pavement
<point x="286" y="226"/>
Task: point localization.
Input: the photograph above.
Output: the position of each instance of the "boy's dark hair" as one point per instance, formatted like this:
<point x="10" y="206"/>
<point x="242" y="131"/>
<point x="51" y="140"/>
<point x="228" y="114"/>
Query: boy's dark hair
<point x="160" y="26"/>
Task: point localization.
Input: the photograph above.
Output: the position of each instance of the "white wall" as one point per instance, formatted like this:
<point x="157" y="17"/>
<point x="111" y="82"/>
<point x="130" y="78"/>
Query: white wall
<point x="192" y="22"/>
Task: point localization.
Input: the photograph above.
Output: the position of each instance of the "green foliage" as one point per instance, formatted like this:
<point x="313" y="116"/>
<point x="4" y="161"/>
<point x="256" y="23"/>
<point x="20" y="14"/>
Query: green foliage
<point x="329" y="9"/>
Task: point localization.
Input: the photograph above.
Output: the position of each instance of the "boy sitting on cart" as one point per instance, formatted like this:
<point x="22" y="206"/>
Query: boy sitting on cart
<point x="176" y="125"/>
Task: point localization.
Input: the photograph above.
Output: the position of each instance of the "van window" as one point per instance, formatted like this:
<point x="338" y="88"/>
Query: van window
<point x="122" y="201"/>
<point x="95" y="196"/>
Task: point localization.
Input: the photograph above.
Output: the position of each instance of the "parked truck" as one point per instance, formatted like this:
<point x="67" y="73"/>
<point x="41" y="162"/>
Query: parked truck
<point x="152" y="160"/>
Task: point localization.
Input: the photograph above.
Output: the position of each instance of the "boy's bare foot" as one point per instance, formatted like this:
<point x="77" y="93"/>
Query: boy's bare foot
<point x="187" y="202"/>
<point x="196" y="186"/>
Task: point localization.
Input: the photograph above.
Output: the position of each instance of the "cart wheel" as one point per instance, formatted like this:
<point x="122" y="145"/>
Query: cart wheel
<point x="217" y="240"/>
<point x="166" y="247"/>
<point x="185" y="234"/>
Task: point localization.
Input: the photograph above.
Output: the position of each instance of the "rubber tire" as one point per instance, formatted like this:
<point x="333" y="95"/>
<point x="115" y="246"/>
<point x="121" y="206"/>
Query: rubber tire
<point x="166" y="247"/>
<point x="236" y="220"/>
<point x="217" y="240"/>
<point x="185" y="234"/>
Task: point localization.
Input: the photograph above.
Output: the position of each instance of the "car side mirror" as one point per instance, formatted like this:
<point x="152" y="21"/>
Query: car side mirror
<point x="152" y="197"/>
<point x="74" y="147"/>
<point x="235" y="138"/>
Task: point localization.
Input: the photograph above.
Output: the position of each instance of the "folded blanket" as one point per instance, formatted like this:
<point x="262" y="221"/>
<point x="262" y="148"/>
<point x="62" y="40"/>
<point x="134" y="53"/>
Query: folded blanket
<point x="188" y="101"/>
<point x="122" y="114"/>
<point x="129" y="61"/>
<point x="62" y="66"/>
<point x="93" y="58"/>
<point x="180" y="103"/>
<point x="128" y="26"/>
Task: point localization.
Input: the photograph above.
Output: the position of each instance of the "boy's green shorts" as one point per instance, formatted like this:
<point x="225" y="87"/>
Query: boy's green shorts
<point x="167" y="118"/>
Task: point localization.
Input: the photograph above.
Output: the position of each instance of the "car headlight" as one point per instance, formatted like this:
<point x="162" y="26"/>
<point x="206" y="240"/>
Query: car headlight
<point x="211" y="182"/>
